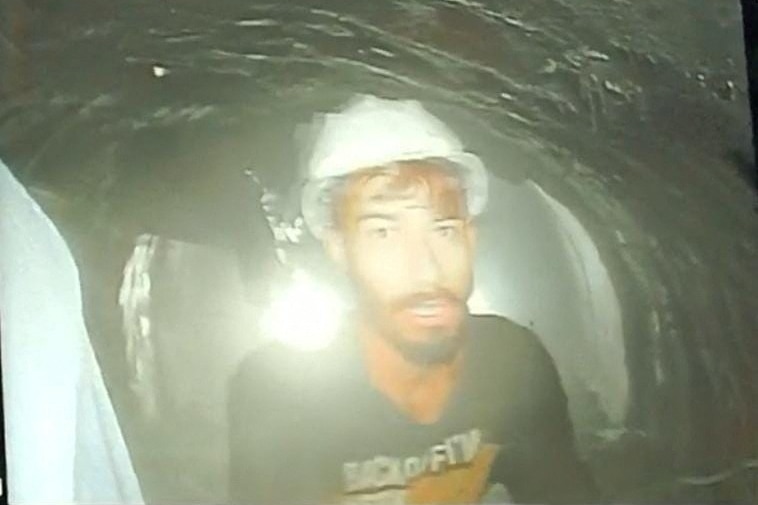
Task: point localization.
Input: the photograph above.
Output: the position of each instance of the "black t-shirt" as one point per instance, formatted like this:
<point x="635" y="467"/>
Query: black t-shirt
<point x="308" y="427"/>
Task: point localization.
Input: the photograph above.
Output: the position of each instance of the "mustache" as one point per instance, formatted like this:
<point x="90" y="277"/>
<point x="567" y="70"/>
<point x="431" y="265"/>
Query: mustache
<point x="412" y="299"/>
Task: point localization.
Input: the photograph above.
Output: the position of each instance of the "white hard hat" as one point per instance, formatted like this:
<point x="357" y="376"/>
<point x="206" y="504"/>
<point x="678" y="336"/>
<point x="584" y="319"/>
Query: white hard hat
<point x="371" y="132"/>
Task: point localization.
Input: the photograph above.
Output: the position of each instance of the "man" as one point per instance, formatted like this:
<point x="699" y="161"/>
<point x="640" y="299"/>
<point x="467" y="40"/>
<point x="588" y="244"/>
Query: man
<point x="418" y="401"/>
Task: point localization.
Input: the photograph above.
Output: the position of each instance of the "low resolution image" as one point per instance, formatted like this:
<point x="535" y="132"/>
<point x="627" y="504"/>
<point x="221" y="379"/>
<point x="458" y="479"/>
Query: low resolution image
<point x="378" y="253"/>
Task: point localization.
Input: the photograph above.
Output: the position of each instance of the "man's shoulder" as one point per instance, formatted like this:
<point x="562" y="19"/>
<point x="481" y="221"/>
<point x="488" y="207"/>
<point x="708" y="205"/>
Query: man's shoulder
<point x="268" y="357"/>
<point x="278" y="369"/>
<point x="500" y="332"/>
<point x="502" y="342"/>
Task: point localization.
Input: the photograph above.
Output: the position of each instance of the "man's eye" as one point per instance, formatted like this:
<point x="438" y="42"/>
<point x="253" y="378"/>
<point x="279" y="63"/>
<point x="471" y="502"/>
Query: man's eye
<point x="446" y="230"/>
<point x="382" y="232"/>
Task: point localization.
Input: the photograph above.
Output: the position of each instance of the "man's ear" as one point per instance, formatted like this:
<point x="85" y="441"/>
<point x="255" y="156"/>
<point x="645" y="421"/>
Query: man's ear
<point x="334" y="244"/>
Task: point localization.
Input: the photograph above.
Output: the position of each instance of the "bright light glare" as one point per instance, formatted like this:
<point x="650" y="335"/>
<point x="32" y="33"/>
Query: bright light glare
<point x="306" y="315"/>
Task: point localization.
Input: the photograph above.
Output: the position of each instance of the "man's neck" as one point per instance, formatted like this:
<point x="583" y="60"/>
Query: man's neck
<point x="421" y="391"/>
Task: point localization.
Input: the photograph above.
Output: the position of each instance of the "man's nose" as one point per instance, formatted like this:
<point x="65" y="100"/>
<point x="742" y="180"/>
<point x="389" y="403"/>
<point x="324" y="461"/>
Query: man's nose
<point x="423" y="264"/>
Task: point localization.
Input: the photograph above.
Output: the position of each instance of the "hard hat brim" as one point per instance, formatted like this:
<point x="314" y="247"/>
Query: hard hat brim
<point x="316" y="195"/>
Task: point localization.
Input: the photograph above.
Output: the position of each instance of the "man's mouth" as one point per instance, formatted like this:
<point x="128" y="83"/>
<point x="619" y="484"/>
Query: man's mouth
<point x="429" y="308"/>
<point x="432" y="312"/>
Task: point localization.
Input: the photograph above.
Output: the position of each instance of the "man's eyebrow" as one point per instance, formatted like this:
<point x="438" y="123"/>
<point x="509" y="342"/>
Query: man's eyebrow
<point x="415" y="206"/>
<point x="442" y="219"/>
<point x="377" y="215"/>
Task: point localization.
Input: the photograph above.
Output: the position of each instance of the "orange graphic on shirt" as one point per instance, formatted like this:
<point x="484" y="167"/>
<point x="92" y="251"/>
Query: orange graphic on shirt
<point x="457" y="485"/>
<point x="454" y="485"/>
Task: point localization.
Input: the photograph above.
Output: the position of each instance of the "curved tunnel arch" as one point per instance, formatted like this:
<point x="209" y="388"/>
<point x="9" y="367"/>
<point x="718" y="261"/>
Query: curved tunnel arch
<point x="544" y="271"/>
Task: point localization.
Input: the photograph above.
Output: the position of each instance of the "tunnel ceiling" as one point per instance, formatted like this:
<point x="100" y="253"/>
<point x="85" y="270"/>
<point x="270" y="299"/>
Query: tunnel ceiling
<point x="622" y="75"/>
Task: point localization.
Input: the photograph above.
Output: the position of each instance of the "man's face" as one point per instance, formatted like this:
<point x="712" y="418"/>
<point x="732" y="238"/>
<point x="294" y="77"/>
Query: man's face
<point x="406" y="241"/>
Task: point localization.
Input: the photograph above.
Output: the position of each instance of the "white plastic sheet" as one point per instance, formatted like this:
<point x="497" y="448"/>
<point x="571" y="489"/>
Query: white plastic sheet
<point x="63" y="441"/>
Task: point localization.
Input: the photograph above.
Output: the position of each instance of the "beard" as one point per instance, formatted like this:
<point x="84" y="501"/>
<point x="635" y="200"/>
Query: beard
<point x="423" y="346"/>
<point x="440" y="349"/>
